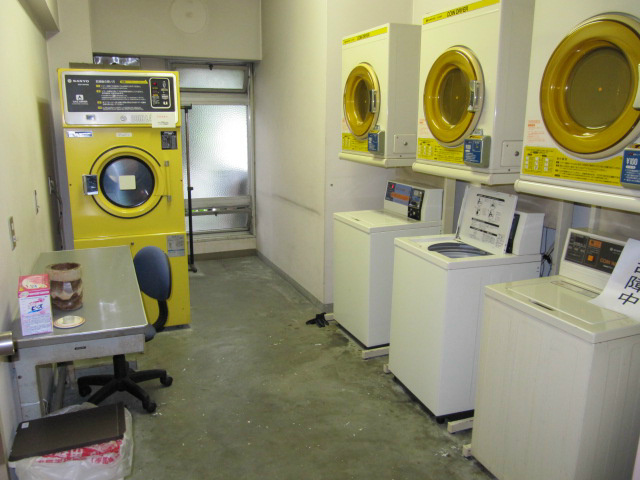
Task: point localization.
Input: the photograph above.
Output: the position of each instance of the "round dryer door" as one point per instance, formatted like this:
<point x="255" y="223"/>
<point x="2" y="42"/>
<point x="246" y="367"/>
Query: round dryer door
<point x="129" y="181"/>
<point x="589" y="94"/>
<point x="361" y="100"/>
<point x="453" y="95"/>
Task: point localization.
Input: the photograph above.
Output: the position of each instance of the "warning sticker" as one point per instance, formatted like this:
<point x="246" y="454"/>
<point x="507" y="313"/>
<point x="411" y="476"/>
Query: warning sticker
<point x="536" y="134"/>
<point x="430" y="149"/>
<point x="552" y="163"/>
<point x="175" y="246"/>
<point x="362" y="36"/>
<point x="458" y="11"/>
<point x="349" y="142"/>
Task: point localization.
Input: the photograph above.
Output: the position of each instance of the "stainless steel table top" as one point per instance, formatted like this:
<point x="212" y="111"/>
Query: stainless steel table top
<point x="112" y="305"/>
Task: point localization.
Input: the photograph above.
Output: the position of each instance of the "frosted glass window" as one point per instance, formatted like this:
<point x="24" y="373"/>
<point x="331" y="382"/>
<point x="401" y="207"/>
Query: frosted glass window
<point x="215" y="78"/>
<point x="219" y="151"/>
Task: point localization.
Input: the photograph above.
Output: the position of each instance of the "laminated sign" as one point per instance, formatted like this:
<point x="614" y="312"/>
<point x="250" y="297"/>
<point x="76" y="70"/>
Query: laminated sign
<point x="622" y="292"/>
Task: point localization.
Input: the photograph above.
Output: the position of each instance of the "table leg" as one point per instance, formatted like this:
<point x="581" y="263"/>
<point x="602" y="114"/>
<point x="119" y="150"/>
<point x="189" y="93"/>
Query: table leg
<point x="28" y="391"/>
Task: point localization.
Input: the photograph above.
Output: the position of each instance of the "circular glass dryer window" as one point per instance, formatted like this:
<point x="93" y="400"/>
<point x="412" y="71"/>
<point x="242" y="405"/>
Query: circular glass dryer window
<point x="453" y="96"/>
<point x="131" y="181"/>
<point x="590" y="85"/>
<point x="361" y="100"/>
<point x="127" y="182"/>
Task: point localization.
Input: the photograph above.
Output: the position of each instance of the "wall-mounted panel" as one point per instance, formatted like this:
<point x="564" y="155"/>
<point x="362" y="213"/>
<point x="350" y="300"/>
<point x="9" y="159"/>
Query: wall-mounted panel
<point x="216" y="29"/>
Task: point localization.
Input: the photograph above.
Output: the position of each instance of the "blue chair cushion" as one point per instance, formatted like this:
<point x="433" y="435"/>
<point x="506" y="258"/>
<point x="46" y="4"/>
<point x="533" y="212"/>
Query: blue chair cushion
<point x="153" y="272"/>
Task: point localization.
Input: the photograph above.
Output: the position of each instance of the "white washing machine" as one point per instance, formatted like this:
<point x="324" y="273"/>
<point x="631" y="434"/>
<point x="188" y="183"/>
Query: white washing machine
<point x="473" y="80"/>
<point x="582" y="134"/>
<point x="363" y="257"/>
<point x="559" y="378"/>
<point x="380" y="77"/>
<point x="437" y="296"/>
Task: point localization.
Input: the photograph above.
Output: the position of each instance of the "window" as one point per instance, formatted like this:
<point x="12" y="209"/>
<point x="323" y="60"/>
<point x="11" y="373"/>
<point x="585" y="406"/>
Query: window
<point x="216" y="114"/>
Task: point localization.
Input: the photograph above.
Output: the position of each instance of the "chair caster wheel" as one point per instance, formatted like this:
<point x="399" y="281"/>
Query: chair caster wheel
<point x="166" y="380"/>
<point x="150" y="407"/>
<point x="84" y="390"/>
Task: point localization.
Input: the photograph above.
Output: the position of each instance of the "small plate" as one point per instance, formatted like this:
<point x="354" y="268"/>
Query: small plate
<point x="69" y="321"/>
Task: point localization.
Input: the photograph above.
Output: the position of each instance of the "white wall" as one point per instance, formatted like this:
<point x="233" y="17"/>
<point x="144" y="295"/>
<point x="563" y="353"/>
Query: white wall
<point x="27" y="159"/>
<point x="349" y="185"/>
<point x="290" y="106"/>
<point x="212" y="29"/>
<point x="72" y="44"/>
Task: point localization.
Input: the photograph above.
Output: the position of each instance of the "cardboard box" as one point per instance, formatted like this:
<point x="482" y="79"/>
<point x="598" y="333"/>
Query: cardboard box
<point x="34" y="297"/>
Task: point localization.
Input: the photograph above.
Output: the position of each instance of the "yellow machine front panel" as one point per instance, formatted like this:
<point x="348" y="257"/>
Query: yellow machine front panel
<point x="137" y="180"/>
<point x="173" y="244"/>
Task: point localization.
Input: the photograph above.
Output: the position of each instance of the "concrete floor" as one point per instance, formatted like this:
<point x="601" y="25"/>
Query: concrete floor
<point x="257" y="394"/>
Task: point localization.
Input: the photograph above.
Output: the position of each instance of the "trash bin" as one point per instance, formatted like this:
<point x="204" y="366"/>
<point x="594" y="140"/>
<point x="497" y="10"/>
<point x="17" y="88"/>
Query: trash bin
<point x="106" y="460"/>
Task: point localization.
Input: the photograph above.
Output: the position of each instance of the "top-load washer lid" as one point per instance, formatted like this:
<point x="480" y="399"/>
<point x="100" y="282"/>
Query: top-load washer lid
<point x="486" y="219"/>
<point x="361" y="100"/>
<point x="453" y="96"/>
<point x="568" y="307"/>
<point x="590" y="90"/>
<point x="371" y="221"/>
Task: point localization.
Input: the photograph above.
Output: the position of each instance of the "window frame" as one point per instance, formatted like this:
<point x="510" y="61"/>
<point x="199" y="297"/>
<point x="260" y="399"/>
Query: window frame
<point x="217" y="96"/>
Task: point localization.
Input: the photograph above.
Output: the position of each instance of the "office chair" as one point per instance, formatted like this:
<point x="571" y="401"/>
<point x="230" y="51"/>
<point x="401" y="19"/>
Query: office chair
<point x="154" y="277"/>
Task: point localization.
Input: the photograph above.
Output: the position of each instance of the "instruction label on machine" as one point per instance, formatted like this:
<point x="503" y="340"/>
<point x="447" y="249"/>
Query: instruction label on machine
<point x="349" y="142"/>
<point x="552" y="163"/>
<point x="175" y="246"/>
<point x="430" y="149"/>
<point x="365" y="35"/>
<point x="486" y="218"/>
<point x="119" y="93"/>
<point x="630" y="173"/>
<point x="458" y="11"/>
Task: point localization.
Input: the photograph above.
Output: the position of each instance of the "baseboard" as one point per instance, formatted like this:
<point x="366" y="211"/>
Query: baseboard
<point x="322" y="307"/>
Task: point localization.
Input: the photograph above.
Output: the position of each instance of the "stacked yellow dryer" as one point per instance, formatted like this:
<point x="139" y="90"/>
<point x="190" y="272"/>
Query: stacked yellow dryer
<point x="124" y="168"/>
<point x="582" y="136"/>
<point x="473" y="80"/>
<point x="380" y="75"/>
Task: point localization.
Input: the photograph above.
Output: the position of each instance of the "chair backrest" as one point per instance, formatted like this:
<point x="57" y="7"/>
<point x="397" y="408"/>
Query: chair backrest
<point x="154" y="278"/>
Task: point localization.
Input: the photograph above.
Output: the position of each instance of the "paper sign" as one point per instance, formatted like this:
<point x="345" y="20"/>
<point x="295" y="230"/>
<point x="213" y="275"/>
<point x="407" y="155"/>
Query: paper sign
<point x="622" y="292"/>
<point x="127" y="182"/>
<point x="163" y="120"/>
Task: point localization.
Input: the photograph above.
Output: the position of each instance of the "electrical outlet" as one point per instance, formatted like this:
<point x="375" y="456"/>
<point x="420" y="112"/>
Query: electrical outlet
<point x="12" y="234"/>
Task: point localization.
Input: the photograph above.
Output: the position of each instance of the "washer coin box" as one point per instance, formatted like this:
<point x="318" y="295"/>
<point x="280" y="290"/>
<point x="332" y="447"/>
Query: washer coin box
<point x="34" y="297"/>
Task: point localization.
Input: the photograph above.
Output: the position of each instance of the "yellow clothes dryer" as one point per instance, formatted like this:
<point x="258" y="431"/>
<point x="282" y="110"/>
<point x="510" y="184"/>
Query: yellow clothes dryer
<point x="582" y="134"/>
<point x="124" y="166"/>
<point x="124" y="175"/>
<point x="173" y="244"/>
<point x="379" y="77"/>
<point x="474" y="62"/>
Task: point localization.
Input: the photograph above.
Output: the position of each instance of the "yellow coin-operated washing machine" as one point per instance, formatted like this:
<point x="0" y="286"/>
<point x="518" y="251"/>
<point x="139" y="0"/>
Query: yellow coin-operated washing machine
<point x="380" y="76"/>
<point x="582" y="134"/>
<point x="473" y="79"/>
<point x="124" y="168"/>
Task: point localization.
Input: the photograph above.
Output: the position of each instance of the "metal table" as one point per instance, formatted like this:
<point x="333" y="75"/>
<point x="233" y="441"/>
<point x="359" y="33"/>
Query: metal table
<point x="112" y="307"/>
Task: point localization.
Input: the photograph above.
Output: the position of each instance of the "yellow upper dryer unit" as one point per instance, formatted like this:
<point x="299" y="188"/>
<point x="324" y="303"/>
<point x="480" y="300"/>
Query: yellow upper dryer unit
<point x="123" y="151"/>
<point x="582" y="134"/>
<point x="474" y="62"/>
<point x="379" y="78"/>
